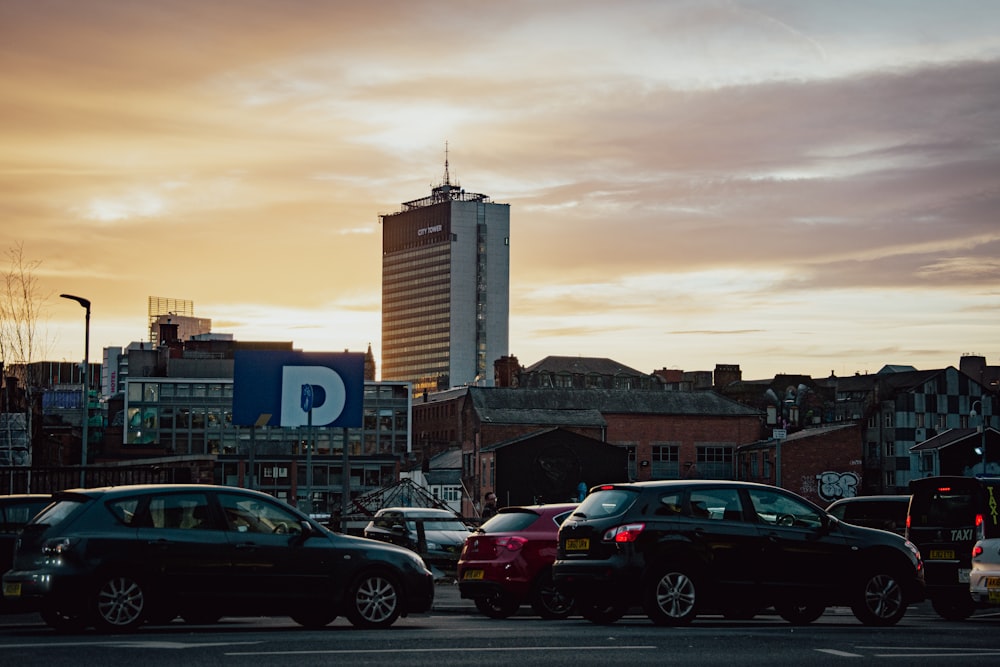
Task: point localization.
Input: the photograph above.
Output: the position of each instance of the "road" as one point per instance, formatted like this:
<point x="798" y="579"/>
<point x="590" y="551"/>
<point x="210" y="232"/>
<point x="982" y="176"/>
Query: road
<point x="453" y="636"/>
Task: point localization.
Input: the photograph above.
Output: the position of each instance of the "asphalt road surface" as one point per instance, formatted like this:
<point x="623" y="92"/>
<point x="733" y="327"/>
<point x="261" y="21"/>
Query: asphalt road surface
<point x="454" y="635"/>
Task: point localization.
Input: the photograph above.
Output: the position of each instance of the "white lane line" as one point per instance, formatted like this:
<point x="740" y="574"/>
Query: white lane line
<point x="839" y="654"/>
<point x="493" y="649"/>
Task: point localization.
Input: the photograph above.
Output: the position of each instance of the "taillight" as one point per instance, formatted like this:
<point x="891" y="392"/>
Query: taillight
<point x="979" y="520"/>
<point x="58" y="546"/>
<point x="512" y="543"/>
<point x="627" y="533"/>
<point x="977" y="551"/>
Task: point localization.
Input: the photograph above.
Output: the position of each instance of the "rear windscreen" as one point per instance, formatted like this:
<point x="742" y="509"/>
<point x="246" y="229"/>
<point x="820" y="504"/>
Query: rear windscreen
<point x="605" y="502"/>
<point x="508" y="522"/>
<point x="943" y="507"/>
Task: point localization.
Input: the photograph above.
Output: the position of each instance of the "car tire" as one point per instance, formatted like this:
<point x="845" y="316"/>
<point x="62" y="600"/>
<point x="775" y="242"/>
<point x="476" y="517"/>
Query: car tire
<point x="671" y="596"/>
<point x="314" y="619"/>
<point x="497" y="605"/>
<point x="602" y="613"/>
<point x="119" y="603"/>
<point x="953" y="608"/>
<point x="880" y="600"/>
<point x="548" y="601"/>
<point x="63" y="622"/>
<point x="799" y="613"/>
<point x="374" y="601"/>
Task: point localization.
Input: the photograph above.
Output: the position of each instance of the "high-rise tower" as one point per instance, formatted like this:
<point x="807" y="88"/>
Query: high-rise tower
<point x="445" y="288"/>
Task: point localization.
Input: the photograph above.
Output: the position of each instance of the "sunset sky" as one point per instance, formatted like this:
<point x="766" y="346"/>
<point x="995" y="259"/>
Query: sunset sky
<point x="793" y="186"/>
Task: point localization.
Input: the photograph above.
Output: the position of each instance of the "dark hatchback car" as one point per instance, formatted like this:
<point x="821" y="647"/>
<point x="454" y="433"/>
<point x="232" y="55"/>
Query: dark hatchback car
<point x="507" y="562"/>
<point x="883" y="512"/>
<point x="947" y="516"/>
<point x="15" y="511"/>
<point x="117" y="557"/>
<point x="683" y="548"/>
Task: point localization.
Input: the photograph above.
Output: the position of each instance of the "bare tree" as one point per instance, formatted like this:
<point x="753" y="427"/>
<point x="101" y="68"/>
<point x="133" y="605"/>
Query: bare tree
<point x="21" y="303"/>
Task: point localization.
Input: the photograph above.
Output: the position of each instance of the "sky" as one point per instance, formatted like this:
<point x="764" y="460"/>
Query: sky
<point x="793" y="186"/>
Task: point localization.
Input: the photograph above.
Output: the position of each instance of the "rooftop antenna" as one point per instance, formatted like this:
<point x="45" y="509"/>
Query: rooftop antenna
<point x="447" y="179"/>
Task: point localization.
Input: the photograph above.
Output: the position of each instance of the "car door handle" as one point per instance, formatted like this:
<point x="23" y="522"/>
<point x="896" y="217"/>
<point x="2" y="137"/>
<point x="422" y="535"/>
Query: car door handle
<point x="246" y="546"/>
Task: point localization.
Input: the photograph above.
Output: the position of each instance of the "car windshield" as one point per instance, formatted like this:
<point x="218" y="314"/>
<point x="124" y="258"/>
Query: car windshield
<point x="439" y="524"/>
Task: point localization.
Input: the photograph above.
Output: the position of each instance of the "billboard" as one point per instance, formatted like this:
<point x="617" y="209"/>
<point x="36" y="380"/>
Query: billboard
<point x="290" y="388"/>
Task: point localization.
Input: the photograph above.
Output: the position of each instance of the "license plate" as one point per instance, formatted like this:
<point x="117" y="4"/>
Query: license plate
<point x="994" y="596"/>
<point x="579" y="544"/>
<point x="12" y="590"/>
<point x="992" y="582"/>
<point x="473" y="574"/>
<point x="963" y="576"/>
<point x="941" y="554"/>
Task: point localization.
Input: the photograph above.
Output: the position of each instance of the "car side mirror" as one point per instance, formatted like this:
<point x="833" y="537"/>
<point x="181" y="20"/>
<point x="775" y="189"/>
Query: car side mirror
<point x="398" y="530"/>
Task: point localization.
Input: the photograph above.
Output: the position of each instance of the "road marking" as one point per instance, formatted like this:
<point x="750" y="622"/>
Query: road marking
<point x="127" y="644"/>
<point x="839" y="654"/>
<point x="493" y="649"/>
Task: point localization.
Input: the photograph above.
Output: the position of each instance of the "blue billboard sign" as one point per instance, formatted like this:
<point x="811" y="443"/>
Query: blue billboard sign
<point x="291" y="388"/>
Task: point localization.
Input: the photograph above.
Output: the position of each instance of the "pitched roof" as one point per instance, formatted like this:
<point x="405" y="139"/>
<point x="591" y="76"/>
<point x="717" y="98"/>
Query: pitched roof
<point x="946" y="438"/>
<point x="582" y="365"/>
<point x="503" y="402"/>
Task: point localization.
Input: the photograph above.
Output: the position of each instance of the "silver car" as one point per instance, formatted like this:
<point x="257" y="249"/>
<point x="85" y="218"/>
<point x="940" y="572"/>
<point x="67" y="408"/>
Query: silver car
<point x="436" y="534"/>
<point x="984" y="581"/>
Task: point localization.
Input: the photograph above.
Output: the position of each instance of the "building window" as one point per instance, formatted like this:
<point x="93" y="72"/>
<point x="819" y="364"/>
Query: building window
<point x="890" y="478"/>
<point x="920" y="420"/>
<point x="767" y="465"/>
<point x="890" y="448"/>
<point x="715" y="462"/>
<point x="873" y="450"/>
<point x="665" y="461"/>
<point x="888" y="420"/>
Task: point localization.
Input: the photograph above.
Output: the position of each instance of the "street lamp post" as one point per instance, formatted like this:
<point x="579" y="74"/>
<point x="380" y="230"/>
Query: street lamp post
<point x="981" y="428"/>
<point x="86" y="387"/>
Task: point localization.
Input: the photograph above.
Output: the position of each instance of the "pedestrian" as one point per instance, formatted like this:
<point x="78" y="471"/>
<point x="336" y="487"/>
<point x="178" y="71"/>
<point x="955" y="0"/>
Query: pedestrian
<point x="490" y="506"/>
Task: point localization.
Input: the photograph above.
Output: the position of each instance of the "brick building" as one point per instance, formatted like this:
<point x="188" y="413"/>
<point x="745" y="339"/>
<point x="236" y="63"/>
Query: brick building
<point x="822" y="464"/>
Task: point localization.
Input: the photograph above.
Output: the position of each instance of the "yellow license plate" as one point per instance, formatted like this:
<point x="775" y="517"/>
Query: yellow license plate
<point x="12" y="590"/>
<point x="941" y="554"/>
<point x="992" y="582"/>
<point x="580" y="544"/>
<point x="473" y="574"/>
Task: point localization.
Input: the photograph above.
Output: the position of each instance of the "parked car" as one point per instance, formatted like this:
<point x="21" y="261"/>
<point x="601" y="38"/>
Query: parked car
<point x="687" y="547"/>
<point x="436" y="534"/>
<point x="946" y="517"/>
<point x="118" y="557"/>
<point x="882" y="512"/>
<point x="15" y="511"/>
<point x="507" y="562"/>
<point x="984" y="580"/>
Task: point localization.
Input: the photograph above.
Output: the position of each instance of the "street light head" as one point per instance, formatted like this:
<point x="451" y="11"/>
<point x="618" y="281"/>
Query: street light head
<point x="79" y="299"/>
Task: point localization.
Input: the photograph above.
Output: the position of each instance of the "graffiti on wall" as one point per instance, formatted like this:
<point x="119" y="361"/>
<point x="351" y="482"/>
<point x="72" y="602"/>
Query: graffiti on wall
<point x="836" y="485"/>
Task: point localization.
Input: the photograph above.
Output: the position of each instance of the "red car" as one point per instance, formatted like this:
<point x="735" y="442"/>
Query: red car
<point x="508" y="561"/>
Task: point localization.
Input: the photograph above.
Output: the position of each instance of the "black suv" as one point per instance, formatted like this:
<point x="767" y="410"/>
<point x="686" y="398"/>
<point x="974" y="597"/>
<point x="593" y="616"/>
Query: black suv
<point x="947" y="515"/>
<point x="680" y="548"/>
<point x="118" y="557"/>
